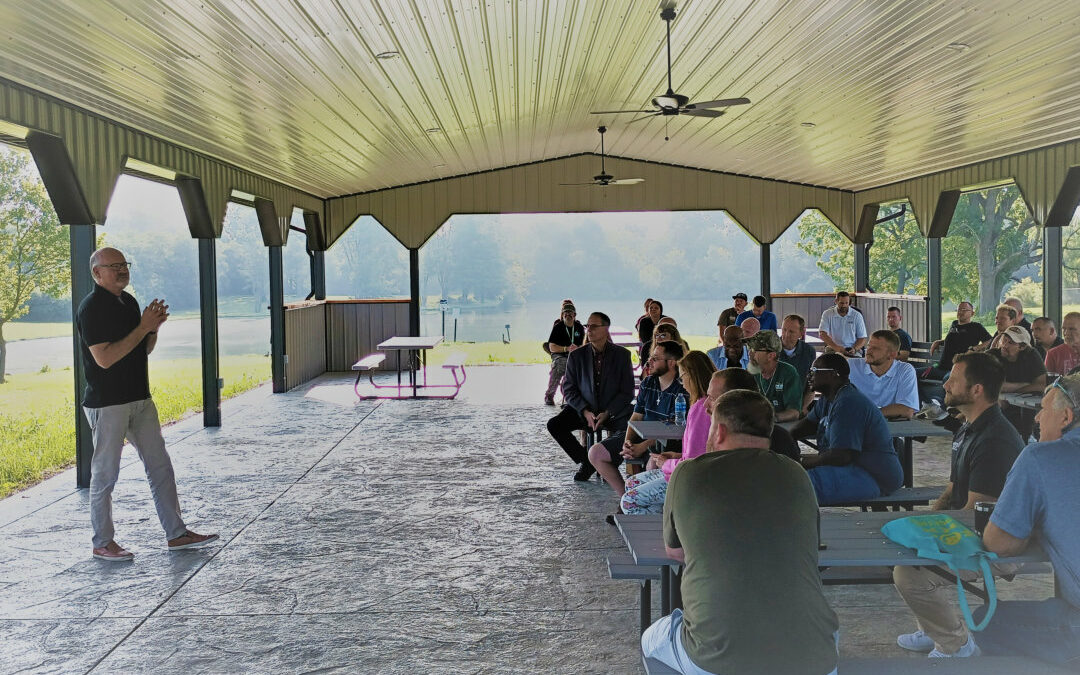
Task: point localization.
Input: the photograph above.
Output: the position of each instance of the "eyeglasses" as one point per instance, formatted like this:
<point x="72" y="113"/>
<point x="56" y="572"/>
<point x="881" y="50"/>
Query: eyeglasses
<point x="1060" y="387"/>
<point x="594" y="325"/>
<point x="964" y="309"/>
<point x="660" y="358"/>
<point x="820" y="370"/>
<point x="116" y="266"/>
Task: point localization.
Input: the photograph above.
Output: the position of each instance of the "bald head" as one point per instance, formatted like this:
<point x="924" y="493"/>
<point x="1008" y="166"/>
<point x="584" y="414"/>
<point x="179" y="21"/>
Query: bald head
<point x="109" y="269"/>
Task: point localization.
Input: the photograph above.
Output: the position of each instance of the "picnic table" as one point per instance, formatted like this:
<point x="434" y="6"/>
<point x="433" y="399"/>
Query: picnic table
<point x="851" y="539"/>
<point x="1029" y="401"/>
<point x="416" y="357"/>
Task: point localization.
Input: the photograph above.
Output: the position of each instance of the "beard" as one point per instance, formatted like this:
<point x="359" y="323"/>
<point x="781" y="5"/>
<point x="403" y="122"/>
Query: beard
<point x="753" y="368"/>
<point x="955" y="400"/>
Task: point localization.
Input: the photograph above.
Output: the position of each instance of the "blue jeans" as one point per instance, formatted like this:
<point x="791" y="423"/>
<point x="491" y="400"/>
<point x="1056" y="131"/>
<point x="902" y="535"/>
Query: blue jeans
<point x="663" y="641"/>
<point x="840" y="484"/>
<point x="1047" y="630"/>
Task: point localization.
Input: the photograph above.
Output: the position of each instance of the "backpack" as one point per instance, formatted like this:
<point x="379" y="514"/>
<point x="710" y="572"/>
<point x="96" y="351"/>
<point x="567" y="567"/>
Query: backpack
<point x="941" y="537"/>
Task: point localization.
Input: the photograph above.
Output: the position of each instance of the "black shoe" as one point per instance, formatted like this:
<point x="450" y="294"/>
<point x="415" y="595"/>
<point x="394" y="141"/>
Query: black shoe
<point x="611" y="517"/>
<point x="549" y="401"/>
<point x="584" y="473"/>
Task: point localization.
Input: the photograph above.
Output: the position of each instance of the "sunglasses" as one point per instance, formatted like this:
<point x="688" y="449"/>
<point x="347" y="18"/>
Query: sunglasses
<point x="820" y="370"/>
<point x="1060" y="387"/>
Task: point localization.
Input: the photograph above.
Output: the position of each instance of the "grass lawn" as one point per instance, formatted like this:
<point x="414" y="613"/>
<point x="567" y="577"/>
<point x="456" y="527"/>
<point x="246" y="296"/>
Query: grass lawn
<point x="31" y="331"/>
<point x="37" y="422"/>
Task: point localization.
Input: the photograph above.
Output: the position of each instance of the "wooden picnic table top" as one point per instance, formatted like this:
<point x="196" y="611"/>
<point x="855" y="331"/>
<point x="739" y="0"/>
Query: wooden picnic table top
<point x="406" y="342"/>
<point x="852" y="539"/>
<point x="658" y="431"/>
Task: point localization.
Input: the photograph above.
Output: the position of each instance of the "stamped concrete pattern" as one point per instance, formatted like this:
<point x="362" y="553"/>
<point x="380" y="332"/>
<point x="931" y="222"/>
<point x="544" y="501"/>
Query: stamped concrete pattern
<point x="357" y="537"/>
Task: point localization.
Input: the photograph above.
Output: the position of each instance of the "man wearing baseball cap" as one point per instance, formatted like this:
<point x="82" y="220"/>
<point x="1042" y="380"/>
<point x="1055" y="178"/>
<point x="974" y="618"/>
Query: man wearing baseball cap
<point x="1024" y="373"/>
<point x="728" y="316"/>
<point x="778" y="381"/>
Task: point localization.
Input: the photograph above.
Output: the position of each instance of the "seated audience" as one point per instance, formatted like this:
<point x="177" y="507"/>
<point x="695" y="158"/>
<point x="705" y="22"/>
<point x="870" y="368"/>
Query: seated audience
<point x="778" y="381"/>
<point x="655" y="402"/>
<point x="984" y="450"/>
<point x="744" y="522"/>
<point x="766" y="319"/>
<point x="728" y="316"/>
<point x="890" y="383"/>
<point x="1065" y="357"/>
<point x="964" y="333"/>
<point x="841" y="329"/>
<point x="731" y="351"/>
<point x="855" y="459"/>
<point x="1044" y="335"/>
<point x="1024" y="373"/>
<point x="599" y="390"/>
<point x="567" y="334"/>
<point x="893" y="318"/>
<point x="1039" y="502"/>
<point x="645" y="491"/>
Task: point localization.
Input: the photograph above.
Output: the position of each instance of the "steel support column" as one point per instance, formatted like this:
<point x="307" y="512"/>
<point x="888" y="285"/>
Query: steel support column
<point x="318" y="274"/>
<point x="1052" y="265"/>
<point x="933" y="287"/>
<point x="766" y="273"/>
<point x="83" y="239"/>
<point x="208" y="315"/>
<point x="414" y="291"/>
<point x="862" y="268"/>
<point x="277" y="319"/>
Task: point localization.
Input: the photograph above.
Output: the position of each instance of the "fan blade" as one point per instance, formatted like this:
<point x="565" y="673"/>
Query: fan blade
<point x="612" y="112"/>
<point x="644" y="117"/>
<point x="719" y="103"/>
<point x="626" y="181"/>
<point x="703" y="113"/>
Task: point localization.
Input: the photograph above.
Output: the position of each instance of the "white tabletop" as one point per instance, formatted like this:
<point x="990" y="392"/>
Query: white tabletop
<point x="658" y="431"/>
<point x="401" y="343"/>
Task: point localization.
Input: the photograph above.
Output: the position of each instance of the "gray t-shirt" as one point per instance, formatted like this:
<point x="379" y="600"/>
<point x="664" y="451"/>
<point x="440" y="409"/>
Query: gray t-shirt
<point x="752" y="598"/>
<point x="1041" y="499"/>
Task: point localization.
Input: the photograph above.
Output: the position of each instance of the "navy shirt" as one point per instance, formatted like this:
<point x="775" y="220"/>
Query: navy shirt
<point x="656" y="404"/>
<point x="905" y="339"/>
<point x="104" y="317"/>
<point x="851" y="421"/>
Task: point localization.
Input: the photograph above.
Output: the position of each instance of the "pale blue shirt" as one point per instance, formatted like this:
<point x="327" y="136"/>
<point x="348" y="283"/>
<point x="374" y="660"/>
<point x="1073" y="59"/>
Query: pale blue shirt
<point x="898" y="385"/>
<point x="719" y="357"/>
<point x="844" y="330"/>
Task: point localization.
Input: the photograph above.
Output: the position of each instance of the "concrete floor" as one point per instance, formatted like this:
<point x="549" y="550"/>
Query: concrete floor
<point x="358" y="537"/>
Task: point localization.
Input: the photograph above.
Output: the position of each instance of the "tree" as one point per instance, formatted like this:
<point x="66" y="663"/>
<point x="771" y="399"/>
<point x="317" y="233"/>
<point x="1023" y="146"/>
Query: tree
<point x="1005" y="237"/>
<point x="34" y="247"/>
<point x="832" y="251"/>
<point x="898" y="255"/>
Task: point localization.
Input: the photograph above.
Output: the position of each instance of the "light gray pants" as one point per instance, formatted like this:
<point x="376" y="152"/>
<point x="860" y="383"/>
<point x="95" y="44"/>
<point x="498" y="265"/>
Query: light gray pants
<point x="138" y="422"/>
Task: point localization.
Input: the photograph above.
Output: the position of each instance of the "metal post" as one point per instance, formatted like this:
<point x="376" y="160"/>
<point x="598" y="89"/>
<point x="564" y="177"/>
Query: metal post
<point x="933" y="288"/>
<point x="414" y="292"/>
<point x="766" y="273"/>
<point x="318" y="274"/>
<point x="208" y="315"/>
<point x="862" y="268"/>
<point x="1052" y="265"/>
<point x="277" y="320"/>
<point x="83" y="238"/>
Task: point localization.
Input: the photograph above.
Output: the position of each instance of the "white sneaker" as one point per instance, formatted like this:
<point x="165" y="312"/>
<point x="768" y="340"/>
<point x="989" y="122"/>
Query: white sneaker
<point x="969" y="649"/>
<point x="916" y="642"/>
<point x="932" y="411"/>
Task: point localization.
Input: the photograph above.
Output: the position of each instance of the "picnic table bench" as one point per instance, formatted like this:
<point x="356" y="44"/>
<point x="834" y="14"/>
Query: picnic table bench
<point x="415" y="349"/>
<point x="906" y="665"/>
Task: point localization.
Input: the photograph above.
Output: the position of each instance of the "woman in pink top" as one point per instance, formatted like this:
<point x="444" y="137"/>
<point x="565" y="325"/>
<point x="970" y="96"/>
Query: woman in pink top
<point x="645" y="491"/>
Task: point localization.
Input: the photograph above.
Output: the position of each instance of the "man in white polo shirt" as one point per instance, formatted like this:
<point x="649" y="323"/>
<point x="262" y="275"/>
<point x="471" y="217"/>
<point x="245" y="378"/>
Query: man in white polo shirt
<point x="884" y="379"/>
<point x="841" y="328"/>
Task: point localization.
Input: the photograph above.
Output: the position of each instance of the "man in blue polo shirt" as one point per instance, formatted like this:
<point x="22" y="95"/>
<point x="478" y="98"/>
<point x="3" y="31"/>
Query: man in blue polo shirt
<point x="1040" y="501"/>
<point x="766" y="318"/>
<point x="887" y="381"/>
<point x="855" y="459"/>
<point x="115" y="340"/>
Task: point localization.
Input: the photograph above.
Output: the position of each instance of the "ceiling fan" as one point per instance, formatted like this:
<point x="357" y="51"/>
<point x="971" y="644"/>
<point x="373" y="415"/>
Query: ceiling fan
<point x="605" y="178"/>
<point x="671" y="103"/>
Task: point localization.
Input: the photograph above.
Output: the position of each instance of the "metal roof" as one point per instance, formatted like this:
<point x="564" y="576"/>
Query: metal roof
<point x="295" y="91"/>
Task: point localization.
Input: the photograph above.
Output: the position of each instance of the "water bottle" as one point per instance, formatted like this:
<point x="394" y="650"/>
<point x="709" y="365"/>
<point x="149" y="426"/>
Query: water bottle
<point x="680" y="409"/>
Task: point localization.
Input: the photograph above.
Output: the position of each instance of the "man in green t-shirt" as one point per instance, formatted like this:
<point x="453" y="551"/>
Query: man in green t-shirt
<point x="743" y="521"/>
<point x="778" y="381"/>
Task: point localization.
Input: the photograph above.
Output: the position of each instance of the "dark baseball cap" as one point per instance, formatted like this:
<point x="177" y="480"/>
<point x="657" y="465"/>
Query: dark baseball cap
<point x="739" y="296"/>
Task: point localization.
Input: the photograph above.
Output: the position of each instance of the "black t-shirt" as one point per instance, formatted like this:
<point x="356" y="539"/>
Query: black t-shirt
<point x="962" y="337"/>
<point x="104" y="317"/>
<point x="1025" y="368"/>
<point x="564" y="335"/>
<point x="982" y="454"/>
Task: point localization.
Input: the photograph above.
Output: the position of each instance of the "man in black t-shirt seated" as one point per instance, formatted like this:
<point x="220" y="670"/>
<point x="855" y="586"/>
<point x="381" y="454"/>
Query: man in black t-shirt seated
<point x="963" y="335"/>
<point x="1025" y="373"/>
<point x="567" y="334"/>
